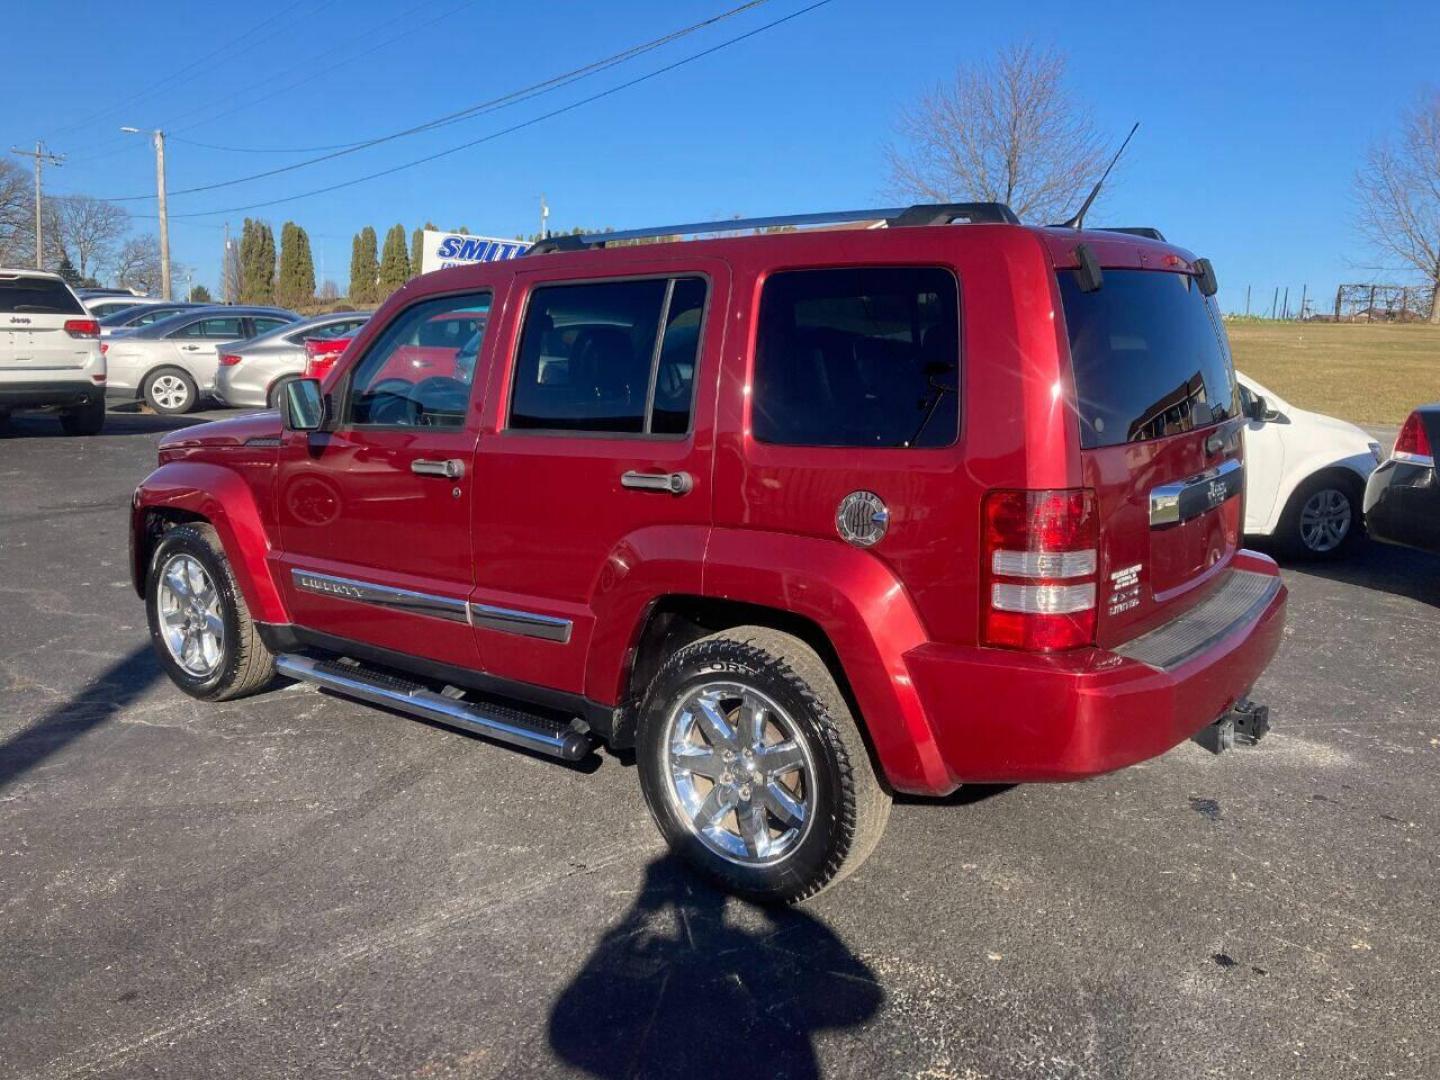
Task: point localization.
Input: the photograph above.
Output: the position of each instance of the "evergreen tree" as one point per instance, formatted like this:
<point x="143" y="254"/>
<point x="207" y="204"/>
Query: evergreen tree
<point x="417" y="246"/>
<point x="67" y="270"/>
<point x="364" y="267"/>
<point x="257" y="263"/>
<point x="297" y="269"/>
<point x="201" y="295"/>
<point x="394" y="262"/>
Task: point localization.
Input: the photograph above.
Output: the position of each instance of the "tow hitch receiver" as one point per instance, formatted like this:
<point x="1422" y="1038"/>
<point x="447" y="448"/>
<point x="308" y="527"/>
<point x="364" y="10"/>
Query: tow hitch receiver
<point x="1244" y="725"/>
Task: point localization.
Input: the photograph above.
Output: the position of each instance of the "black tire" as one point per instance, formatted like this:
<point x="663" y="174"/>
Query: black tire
<point x="4" y="421"/>
<point x="275" y="397"/>
<point x="171" y="391"/>
<point x="245" y="665"/>
<point x="1295" y="539"/>
<point x="88" y="419"/>
<point x="848" y="807"/>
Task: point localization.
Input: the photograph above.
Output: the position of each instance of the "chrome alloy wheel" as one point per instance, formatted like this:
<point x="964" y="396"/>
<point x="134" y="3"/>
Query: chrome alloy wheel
<point x="739" y="773"/>
<point x="192" y="623"/>
<point x="1325" y="520"/>
<point x="170" y="392"/>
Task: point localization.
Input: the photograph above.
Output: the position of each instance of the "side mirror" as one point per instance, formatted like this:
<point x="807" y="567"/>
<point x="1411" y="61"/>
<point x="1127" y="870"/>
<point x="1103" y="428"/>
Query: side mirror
<point x="1256" y="406"/>
<point x="304" y="405"/>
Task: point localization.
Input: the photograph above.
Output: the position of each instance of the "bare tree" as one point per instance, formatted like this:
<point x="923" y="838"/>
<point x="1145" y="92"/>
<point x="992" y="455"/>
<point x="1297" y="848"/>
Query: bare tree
<point x="1399" y="194"/>
<point x="137" y="265"/>
<point x="17" y="214"/>
<point x="1006" y="131"/>
<point x="90" y="229"/>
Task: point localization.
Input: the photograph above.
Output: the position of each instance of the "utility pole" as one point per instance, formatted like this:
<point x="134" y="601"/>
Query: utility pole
<point x="42" y="158"/>
<point x="544" y="218"/>
<point x="225" y="267"/>
<point x="159" y="139"/>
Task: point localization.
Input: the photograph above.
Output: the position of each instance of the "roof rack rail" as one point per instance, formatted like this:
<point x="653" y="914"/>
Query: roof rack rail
<point x="892" y="217"/>
<point x="1147" y="231"/>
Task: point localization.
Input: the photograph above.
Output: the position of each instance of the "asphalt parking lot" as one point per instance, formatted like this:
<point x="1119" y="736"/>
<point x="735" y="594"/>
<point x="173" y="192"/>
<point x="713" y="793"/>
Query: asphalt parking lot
<point x="293" y="885"/>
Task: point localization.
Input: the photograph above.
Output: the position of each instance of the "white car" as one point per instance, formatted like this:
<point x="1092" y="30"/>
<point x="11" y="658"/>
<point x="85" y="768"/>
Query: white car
<point x="100" y="306"/>
<point x="50" y="355"/>
<point x="172" y="363"/>
<point x="1305" y="476"/>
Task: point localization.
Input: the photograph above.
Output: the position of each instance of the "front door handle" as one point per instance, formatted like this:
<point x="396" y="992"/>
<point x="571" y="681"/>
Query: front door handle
<point x="674" y="483"/>
<point x="450" y="468"/>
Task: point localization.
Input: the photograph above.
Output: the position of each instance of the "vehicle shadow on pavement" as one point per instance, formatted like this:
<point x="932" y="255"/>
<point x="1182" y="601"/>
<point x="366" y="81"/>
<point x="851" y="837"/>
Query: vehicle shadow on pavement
<point x="681" y="986"/>
<point x="117" y="422"/>
<point x="114" y="689"/>
<point x="1385" y="567"/>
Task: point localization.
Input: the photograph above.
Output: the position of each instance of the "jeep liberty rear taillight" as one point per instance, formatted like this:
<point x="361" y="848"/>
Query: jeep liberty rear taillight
<point x="1038" y="566"/>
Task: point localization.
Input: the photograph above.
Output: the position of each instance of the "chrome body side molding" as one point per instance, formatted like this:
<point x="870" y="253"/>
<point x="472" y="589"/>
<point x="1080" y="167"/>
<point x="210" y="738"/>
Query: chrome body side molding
<point x="1174" y="504"/>
<point x="526" y="623"/>
<point x="386" y="596"/>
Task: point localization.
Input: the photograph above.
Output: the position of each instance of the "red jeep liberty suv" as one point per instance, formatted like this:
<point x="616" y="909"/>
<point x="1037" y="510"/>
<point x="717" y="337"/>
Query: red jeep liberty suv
<point x="806" y="517"/>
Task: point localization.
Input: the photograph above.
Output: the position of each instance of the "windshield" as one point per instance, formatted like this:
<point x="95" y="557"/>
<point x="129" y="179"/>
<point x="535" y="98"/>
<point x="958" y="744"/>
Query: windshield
<point x="1150" y="357"/>
<point x="41" y="296"/>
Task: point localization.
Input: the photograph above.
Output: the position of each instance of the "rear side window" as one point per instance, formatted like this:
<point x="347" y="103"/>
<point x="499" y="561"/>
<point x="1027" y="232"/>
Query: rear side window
<point x="613" y="356"/>
<point x="227" y="328"/>
<point x="37" y="296"/>
<point x="863" y="357"/>
<point x="1149" y="355"/>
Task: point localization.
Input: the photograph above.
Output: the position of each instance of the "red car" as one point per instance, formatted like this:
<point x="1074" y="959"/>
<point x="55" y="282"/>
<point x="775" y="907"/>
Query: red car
<point x="806" y="518"/>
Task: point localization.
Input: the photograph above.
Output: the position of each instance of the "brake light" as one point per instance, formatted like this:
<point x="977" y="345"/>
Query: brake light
<point x="104" y="347"/>
<point x="1413" y="442"/>
<point x="321" y="354"/>
<point x="1039" y="555"/>
<point x="82" y="328"/>
<point x="229" y="359"/>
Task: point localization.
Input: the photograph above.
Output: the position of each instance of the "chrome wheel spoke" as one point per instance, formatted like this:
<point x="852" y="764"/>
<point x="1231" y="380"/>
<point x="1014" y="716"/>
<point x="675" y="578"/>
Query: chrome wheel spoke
<point x="192" y="622"/>
<point x="754" y="828"/>
<point x="712" y="808"/>
<point x="751" y="721"/>
<point x="713" y="724"/>
<point x="788" y="811"/>
<point x="702" y="761"/>
<point x="779" y="758"/>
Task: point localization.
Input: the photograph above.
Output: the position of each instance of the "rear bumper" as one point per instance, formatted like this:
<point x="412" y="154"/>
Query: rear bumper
<point x="39" y="395"/>
<point x="1402" y="505"/>
<point x="1006" y="717"/>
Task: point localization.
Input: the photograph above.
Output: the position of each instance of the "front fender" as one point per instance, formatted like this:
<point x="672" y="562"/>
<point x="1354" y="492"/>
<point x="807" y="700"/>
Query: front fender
<point x="224" y="499"/>
<point x="868" y="617"/>
<point x="1301" y="470"/>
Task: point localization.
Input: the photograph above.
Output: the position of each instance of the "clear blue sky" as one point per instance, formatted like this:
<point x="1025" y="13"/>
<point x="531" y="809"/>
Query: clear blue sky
<point x="1254" y="116"/>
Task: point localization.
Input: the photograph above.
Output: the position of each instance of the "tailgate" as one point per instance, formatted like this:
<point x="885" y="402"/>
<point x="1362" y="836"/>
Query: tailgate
<point x="1160" y="443"/>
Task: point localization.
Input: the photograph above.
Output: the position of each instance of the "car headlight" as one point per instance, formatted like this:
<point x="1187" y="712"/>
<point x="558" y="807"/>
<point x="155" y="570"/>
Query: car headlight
<point x="1376" y="452"/>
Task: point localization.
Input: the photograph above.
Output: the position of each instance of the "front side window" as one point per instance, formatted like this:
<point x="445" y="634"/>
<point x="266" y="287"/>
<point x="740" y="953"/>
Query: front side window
<point x="419" y="370"/>
<point x="858" y="357"/>
<point x="264" y="324"/>
<point x="614" y="356"/>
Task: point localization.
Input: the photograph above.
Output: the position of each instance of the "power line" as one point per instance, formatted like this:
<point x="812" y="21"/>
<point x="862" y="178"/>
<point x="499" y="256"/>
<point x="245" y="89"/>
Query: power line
<point x="494" y="104"/>
<point x="517" y="127"/>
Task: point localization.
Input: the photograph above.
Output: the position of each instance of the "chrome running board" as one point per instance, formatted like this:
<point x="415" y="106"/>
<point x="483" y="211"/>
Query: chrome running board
<point x="569" y="742"/>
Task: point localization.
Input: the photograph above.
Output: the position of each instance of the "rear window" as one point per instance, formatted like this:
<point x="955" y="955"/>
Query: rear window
<point x="867" y="356"/>
<point x="1149" y="355"/>
<point x="39" y="296"/>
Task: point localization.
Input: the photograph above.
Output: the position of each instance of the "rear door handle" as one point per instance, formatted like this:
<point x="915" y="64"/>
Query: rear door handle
<point x="450" y="468"/>
<point x="674" y="483"/>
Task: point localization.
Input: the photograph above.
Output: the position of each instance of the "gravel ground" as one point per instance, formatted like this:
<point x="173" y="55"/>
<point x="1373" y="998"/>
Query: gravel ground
<point x="297" y="886"/>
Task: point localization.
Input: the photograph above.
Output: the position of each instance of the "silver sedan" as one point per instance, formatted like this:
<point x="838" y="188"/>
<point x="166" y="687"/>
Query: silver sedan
<point x="171" y="363"/>
<point x="254" y="373"/>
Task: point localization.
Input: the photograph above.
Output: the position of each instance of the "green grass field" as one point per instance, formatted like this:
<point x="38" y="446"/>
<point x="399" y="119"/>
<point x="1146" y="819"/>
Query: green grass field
<point x="1356" y="371"/>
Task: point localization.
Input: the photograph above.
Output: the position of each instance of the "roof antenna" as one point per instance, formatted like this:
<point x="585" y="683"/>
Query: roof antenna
<point x="1078" y="221"/>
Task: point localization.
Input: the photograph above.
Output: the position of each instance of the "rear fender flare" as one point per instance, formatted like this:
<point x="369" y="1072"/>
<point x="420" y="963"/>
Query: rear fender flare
<point x="869" y="620"/>
<point x="227" y="502"/>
